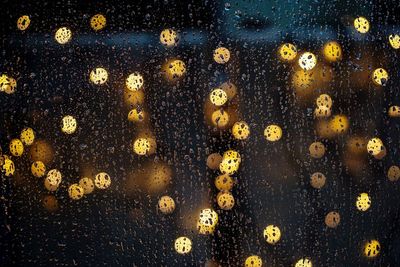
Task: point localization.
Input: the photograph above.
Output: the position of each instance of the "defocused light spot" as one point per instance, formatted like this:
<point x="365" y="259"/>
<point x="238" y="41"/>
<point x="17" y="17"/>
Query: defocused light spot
<point x="253" y="261"/>
<point x="272" y="234"/>
<point x="27" y="136"/>
<point x="363" y="202"/>
<point x="63" y="35"/>
<point x="41" y="150"/>
<point x="38" y="169"/>
<point x="220" y="118"/>
<point x="307" y="61"/>
<point x="134" y="82"/>
<point x="394" y="40"/>
<point x="87" y="184"/>
<point x="7" y="84"/>
<point x="287" y="52"/>
<point x="324" y="100"/>
<point x="224" y="182"/>
<point x="8" y="167"/>
<point x="50" y="203"/>
<point x="380" y="76"/>
<point x="361" y="24"/>
<point x="98" y="76"/>
<point x="230" y="89"/>
<point x="394" y="111"/>
<point x="339" y="124"/>
<point x="222" y="55"/>
<point x="303" y="263"/>
<point x="166" y="204"/>
<point x="159" y="177"/>
<point x="141" y="146"/>
<point x="393" y="173"/>
<point x="273" y="133"/>
<point x="213" y="161"/>
<point x="233" y="155"/>
<point x="317" y="180"/>
<point x="303" y="81"/>
<point x="240" y="130"/>
<point x="23" y="22"/>
<point x="332" y="219"/>
<point x="357" y="145"/>
<point x="332" y="51"/>
<point x="183" y="245"/>
<point x="133" y="98"/>
<point x="53" y="180"/>
<point x="136" y="115"/>
<point x="208" y="220"/>
<point x="16" y="147"/>
<point x="68" y="124"/>
<point x="169" y="37"/>
<point x="375" y="146"/>
<point x="317" y="150"/>
<point x="175" y="69"/>
<point x="225" y="200"/>
<point x="322" y="112"/>
<point x="75" y="191"/>
<point x="372" y="248"/>
<point x="102" y="180"/>
<point x="218" y="97"/>
<point x="98" y="22"/>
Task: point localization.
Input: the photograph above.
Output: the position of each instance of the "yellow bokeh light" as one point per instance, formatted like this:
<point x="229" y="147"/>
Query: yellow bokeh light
<point x="224" y="182"/>
<point x="287" y="52"/>
<point x="225" y="200"/>
<point x="8" y="167"/>
<point x="272" y="234"/>
<point x="332" y="51"/>
<point x="169" y="37"/>
<point x="218" y="97"/>
<point x="394" y="40"/>
<point x="23" y="22"/>
<point x="317" y="150"/>
<point x="232" y="154"/>
<point x="332" y="219"/>
<point x="136" y="115"/>
<point x="27" y="136"/>
<point x="375" y="146"/>
<point x="7" y="84"/>
<point x="102" y="180"/>
<point x="141" y="146"/>
<point x="208" y="220"/>
<point x="357" y="145"/>
<point x="87" y="184"/>
<point x="380" y="77"/>
<point x="307" y="61"/>
<point x="53" y="180"/>
<point x="63" y="35"/>
<point x="363" y="202"/>
<point x="303" y="81"/>
<point x="222" y="55"/>
<point x="394" y="111"/>
<point x="253" y="261"/>
<point x="41" y="150"/>
<point x="38" y="169"/>
<point x="324" y="100"/>
<point x="220" y="118"/>
<point x="230" y="89"/>
<point x="16" y="147"/>
<point x="372" y="248"/>
<point x="240" y="130"/>
<point x="134" y="82"/>
<point x="166" y="204"/>
<point x="361" y="24"/>
<point x="98" y="22"/>
<point x="303" y="263"/>
<point x="133" y="98"/>
<point x="183" y="245"/>
<point x="69" y="124"/>
<point x="75" y="191"/>
<point x="317" y="180"/>
<point x="175" y="69"/>
<point x="98" y="76"/>
<point x="322" y="112"/>
<point x="339" y="124"/>
<point x="273" y="133"/>
<point x="393" y="173"/>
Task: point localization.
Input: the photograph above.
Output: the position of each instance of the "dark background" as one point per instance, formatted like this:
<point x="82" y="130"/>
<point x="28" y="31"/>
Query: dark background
<point x="121" y="228"/>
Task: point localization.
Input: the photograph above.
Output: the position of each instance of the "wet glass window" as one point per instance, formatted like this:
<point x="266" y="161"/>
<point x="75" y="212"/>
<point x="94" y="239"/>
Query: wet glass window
<point x="199" y="133"/>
